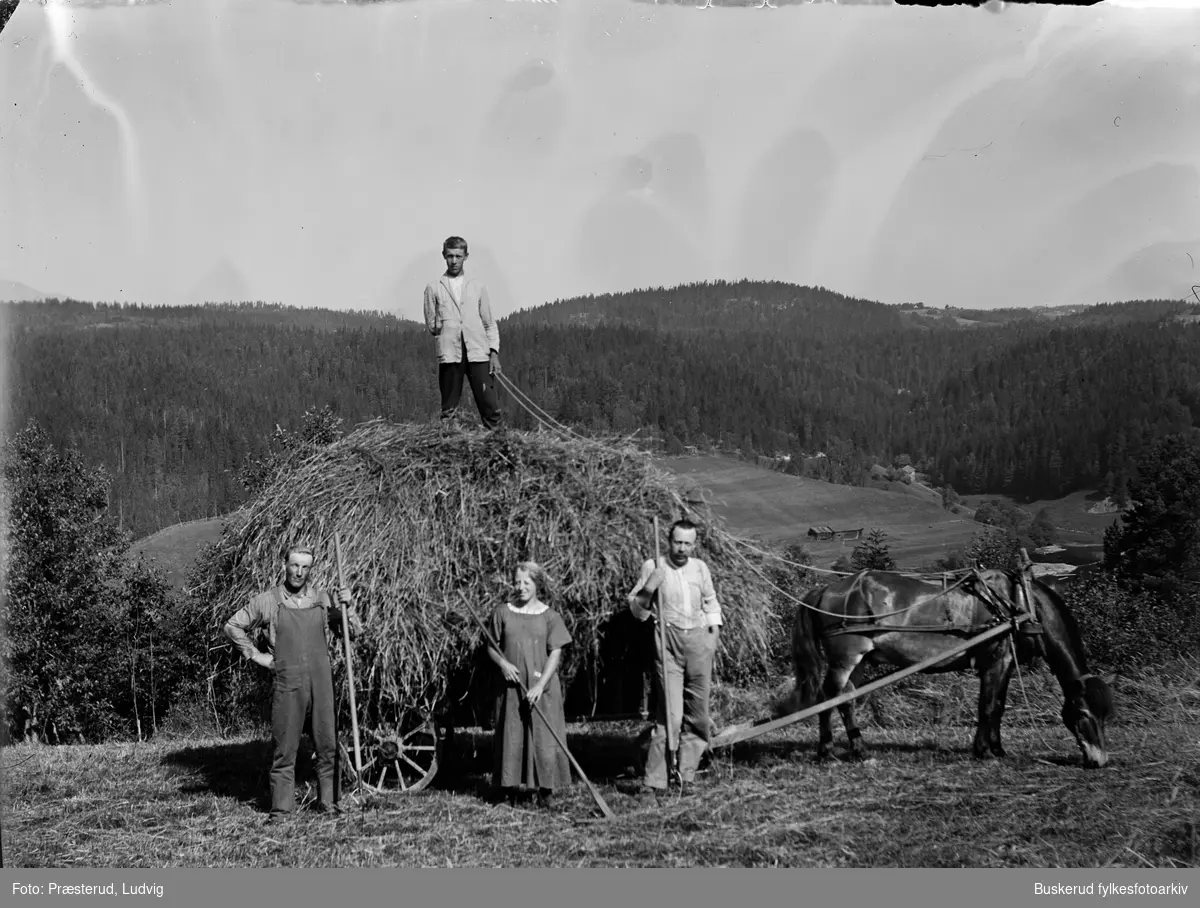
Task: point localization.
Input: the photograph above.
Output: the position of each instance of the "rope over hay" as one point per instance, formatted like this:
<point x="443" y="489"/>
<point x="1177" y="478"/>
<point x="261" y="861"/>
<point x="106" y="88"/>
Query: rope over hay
<point x="423" y="514"/>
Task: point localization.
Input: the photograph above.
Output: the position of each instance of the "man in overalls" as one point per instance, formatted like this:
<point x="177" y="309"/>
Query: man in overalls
<point x="299" y="621"/>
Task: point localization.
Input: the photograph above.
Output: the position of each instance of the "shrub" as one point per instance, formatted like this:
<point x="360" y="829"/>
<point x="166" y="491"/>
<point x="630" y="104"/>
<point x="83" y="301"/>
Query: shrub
<point x="1127" y="628"/>
<point x="93" y="645"/>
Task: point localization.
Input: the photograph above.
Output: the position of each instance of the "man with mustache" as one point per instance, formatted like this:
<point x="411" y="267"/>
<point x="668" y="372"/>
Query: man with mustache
<point x="687" y="604"/>
<point x="300" y="622"/>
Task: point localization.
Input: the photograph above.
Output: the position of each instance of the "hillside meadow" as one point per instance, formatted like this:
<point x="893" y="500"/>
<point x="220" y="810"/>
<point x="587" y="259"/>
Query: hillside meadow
<point x="781" y="508"/>
<point x="1070" y="514"/>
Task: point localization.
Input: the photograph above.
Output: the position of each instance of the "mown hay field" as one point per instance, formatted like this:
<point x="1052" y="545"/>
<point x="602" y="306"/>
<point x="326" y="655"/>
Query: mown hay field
<point x="920" y="800"/>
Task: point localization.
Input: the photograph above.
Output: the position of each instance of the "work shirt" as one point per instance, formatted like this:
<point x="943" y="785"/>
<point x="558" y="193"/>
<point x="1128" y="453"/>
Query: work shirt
<point x="461" y="318"/>
<point x="263" y="612"/>
<point x="686" y="596"/>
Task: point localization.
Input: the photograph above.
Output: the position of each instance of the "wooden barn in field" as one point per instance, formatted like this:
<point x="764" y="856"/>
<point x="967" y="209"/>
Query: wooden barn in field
<point x="826" y="534"/>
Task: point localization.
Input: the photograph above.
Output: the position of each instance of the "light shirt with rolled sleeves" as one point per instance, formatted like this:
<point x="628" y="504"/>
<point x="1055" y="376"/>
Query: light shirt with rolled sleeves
<point x="687" y="596"/>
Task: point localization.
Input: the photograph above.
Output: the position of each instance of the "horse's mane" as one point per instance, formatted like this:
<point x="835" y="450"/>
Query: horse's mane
<point x="1095" y="691"/>
<point x="1068" y="618"/>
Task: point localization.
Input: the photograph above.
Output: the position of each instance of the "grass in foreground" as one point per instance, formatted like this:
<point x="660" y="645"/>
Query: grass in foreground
<point x="920" y="800"/>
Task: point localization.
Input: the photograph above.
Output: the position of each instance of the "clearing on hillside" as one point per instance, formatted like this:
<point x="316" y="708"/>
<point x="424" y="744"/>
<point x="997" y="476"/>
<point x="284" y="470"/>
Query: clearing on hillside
<point x="781" y="508"/>
<point x="175" y="549"/>
<point x="1069" y="514"/>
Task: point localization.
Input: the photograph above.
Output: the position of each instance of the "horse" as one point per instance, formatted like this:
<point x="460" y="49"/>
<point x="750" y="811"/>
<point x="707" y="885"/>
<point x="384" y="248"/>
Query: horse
<point x="885" y="617"/>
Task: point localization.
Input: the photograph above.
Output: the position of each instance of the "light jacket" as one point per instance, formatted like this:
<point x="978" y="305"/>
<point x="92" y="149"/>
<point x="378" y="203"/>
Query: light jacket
<point x="454" y="322"/>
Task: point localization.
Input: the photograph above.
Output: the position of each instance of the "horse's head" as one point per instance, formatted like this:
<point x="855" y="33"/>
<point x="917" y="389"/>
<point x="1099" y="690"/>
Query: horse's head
<point x="1087" y="698"/>
<point x="1088" y="706"/>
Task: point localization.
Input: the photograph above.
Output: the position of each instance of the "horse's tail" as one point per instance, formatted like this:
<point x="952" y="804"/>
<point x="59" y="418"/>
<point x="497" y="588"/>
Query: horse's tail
<point x="807" y="658"/>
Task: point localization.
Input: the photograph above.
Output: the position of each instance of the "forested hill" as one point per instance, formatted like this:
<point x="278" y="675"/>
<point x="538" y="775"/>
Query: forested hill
<point x="770" y="307"/>
<point x="56" y="314"/>
<point x="775" y="306"/>
<point x="176" y="402"/>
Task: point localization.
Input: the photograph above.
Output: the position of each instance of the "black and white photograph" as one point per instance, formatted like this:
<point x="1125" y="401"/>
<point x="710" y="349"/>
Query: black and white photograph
<point x="600" y="434"/>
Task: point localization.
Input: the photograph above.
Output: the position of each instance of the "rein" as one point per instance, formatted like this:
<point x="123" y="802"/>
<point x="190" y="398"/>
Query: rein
<point x="869" y="622"/>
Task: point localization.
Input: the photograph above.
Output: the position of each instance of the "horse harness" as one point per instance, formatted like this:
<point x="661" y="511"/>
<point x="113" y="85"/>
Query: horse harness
<point x="1024" y="622"/>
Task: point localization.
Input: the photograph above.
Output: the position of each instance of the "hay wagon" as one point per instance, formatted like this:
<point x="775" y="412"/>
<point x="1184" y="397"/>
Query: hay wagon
<point x="425" y="514"/>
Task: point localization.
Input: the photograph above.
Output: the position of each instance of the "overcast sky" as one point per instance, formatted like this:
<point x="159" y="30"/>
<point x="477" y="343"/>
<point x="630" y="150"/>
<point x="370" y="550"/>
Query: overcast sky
<point x="317" y="153"/>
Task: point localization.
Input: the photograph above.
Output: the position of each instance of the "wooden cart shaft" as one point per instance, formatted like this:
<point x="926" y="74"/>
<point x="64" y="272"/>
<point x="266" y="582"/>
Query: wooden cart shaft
<point x="736" y="733"/>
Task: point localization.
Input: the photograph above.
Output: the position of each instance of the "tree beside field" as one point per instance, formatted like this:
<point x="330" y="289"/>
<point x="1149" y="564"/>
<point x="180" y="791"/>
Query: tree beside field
<point x="873" y="553"/>
<point x="1156" y="542"/>
<point x="94" y="644"/>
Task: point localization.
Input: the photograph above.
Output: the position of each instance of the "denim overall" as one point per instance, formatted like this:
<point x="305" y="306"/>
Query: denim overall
<point x="303" y="683"/>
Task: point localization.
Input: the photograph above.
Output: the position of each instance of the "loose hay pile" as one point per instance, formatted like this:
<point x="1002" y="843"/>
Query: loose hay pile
<point x="423" y="515"/>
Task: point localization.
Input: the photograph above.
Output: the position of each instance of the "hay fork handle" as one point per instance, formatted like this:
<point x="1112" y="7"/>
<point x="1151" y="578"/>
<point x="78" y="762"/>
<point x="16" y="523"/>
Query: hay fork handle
<point x="487" y="635"/>
<point x="661" y="620"/>
<point x="337" y="547"/>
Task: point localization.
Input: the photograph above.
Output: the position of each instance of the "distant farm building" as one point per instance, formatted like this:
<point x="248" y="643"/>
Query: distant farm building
<point x="829" y="533"/>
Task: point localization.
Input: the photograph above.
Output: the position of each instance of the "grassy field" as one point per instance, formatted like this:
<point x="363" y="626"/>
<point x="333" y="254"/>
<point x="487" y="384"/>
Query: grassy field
<point x="781" y="508"/>
<point x="174" y="549"/>
<point x="1069" y="514"/>
<point x="919" y="800"/>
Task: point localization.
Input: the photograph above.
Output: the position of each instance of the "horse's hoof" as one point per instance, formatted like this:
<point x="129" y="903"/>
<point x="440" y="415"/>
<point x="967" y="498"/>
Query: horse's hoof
<point x="822" y="756"/>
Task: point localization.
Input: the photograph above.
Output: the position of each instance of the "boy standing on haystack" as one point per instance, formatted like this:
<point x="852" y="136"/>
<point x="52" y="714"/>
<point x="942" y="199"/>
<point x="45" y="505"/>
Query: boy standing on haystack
<point x="299" y="620"/>
<point x="459" y="314"/>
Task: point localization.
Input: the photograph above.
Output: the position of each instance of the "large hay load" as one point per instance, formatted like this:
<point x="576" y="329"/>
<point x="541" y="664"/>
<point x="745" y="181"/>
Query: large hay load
<point x="425" y="518"/>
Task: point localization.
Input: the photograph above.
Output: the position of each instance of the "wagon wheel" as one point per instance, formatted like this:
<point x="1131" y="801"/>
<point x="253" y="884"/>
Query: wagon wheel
<point x="346" y="754"/>
<point x="406" y="761"/>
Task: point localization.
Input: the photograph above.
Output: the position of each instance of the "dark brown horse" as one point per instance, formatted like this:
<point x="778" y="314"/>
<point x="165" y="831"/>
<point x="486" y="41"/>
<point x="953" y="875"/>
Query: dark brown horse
<point x="877" y="617"/>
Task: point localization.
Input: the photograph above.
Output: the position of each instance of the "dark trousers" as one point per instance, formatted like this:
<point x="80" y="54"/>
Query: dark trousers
<point x="303" y="689"/>
<point x="450" y="380"/>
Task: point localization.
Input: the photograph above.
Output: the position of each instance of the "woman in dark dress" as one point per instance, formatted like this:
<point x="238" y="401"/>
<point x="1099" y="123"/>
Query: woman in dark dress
<point x="531" y="637"/>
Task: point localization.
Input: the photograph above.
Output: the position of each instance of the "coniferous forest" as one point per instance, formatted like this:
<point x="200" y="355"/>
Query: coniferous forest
<point x="176" y="403"/>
